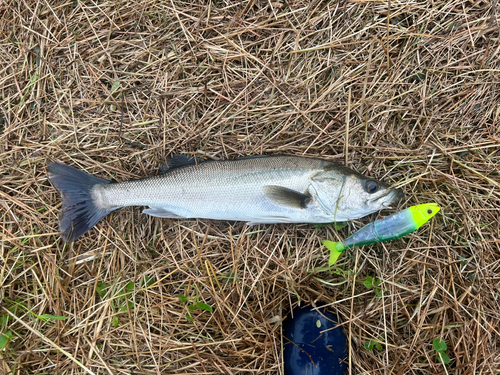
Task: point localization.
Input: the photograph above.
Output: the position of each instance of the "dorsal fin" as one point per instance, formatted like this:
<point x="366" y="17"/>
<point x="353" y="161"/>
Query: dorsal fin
<point x="178" y="160"/>
<point x="286" y="197"/>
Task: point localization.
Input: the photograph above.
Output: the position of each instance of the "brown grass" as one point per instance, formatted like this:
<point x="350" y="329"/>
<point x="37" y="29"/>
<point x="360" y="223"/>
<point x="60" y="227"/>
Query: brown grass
<point x="408" y="91"/>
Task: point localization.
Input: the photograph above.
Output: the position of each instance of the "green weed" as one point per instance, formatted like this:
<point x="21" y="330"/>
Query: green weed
<point x="43" y="317"/>
<point x="120" y="298"/>
<point x="440" y="347"/>
<point x="336" y="225"/>
<point x="193" y="306"/>
<point x="5" y="338"/>
<point x="375" y="344"/>
<point x="371" y="282"/>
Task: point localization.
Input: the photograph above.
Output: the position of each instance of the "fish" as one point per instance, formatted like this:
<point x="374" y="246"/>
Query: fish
<point x="257" y="190"/>
<point x="389" y="228"/>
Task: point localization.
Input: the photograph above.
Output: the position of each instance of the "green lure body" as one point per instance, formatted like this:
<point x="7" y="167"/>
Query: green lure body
<point x="389" y="228"/>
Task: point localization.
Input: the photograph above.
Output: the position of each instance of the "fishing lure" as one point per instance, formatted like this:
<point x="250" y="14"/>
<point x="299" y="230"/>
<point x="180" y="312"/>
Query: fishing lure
<point x="390" y="228"/>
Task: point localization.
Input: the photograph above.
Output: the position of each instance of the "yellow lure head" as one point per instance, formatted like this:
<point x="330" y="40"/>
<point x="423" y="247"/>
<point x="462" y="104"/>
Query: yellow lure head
<point x="422" y="213"/>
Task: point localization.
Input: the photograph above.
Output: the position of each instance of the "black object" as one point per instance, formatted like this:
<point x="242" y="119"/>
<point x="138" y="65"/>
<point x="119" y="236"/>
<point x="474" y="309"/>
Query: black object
<point x="308" y="349"/>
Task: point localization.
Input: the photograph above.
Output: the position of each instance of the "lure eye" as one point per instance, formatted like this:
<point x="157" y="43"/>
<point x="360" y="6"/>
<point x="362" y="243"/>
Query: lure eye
<point x="429" y="211"/>
<point x="371" y="186"/>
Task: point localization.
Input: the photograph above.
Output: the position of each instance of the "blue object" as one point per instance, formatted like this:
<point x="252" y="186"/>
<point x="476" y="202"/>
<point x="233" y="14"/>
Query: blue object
<point x="308" y="349"/>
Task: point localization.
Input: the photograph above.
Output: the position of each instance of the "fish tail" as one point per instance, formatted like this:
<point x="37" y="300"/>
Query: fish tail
<point x="79" y="213"/>
<point x="336" y="248"/>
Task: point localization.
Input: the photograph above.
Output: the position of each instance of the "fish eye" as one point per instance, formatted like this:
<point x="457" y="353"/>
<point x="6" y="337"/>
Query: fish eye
<point x="371" y="186"/>
<point x="429" y="211"/>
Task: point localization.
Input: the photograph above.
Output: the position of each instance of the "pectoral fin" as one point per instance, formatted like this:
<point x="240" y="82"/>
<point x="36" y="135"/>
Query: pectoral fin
<point x="286" y="197"/>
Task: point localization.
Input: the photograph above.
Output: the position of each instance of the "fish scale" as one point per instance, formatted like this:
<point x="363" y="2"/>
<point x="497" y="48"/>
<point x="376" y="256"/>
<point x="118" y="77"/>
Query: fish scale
<point x="194" y="185"/>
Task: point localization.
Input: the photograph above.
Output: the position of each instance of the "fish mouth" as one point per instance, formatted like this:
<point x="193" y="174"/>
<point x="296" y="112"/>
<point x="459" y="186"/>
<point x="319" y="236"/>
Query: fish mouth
<point x="392" y="196"/>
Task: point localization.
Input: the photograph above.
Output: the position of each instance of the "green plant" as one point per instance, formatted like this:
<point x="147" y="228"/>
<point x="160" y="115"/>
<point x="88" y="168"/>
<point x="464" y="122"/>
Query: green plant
<point x="195" y="305"/>
<point x="120" y="300"/>
<point x="43" y="317"/>
<point x="440" y="348"/>
<point x="371" y="282"/>
<point x="374" y="344"/>
<point x="4" y="321"/>
<point x="4" y="339"/>
<point x="336" y="225"/>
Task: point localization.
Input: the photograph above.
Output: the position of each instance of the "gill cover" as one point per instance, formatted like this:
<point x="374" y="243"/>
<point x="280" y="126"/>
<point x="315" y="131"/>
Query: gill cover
<point x="348" y="195"/>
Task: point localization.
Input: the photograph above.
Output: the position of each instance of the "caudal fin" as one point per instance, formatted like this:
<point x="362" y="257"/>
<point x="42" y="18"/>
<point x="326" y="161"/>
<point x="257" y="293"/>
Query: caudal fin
<point x="78" y="213"/>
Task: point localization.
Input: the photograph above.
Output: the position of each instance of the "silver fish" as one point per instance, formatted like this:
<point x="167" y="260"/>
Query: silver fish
<point x="259" y="190"/>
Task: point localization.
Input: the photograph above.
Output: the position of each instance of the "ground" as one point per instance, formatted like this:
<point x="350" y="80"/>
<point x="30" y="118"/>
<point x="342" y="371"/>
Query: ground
<point x="404" y="91"/>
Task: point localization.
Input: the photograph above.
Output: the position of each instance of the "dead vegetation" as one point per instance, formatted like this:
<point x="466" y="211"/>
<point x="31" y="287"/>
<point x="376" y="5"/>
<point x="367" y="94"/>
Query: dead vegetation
<point x="408" y="91"/>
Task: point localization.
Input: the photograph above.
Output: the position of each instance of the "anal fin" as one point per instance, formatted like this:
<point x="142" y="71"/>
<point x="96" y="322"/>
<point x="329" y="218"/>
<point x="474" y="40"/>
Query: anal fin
<point x="161" y="212"/>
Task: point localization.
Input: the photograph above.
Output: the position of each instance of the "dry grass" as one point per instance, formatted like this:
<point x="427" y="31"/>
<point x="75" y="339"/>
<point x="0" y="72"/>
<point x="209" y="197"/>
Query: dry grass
<point x="407" y="91"/>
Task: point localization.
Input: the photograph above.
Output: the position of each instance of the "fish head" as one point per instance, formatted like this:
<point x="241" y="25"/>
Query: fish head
<point x="348" y="195"/>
